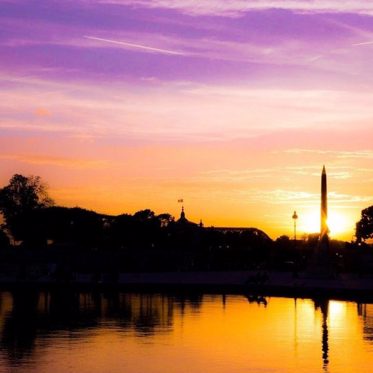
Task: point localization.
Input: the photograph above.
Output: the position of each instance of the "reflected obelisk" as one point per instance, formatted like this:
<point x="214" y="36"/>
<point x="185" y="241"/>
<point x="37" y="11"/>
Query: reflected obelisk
<point x="324" y="206"/>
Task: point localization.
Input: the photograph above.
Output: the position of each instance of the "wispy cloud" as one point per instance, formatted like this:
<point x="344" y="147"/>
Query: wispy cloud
<point x="173" y="110"/>
<point x="128" y="45"/>
<point x="330" y="52"/>
<point x="282" y="196"/>
<point x="235" y="8"/>
<point x="238" y="175"/>
<point x="358" y="154"/>
<point x="228" y="175"/>
<point x="364" y="43"/>
<point x="64" y="162"/>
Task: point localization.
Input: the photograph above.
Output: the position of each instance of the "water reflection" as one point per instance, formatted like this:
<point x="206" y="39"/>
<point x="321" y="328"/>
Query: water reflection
<point x="366" y="312"/>
<point x="18" y="332"/>
<point x="323" y="305"/>
<point x="30" y="322"/>
<point x="28" y="315"/>
<point x="258" y="299"/>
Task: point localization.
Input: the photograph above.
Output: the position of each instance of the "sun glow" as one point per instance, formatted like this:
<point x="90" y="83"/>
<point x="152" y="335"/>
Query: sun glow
<point x="338" y="223"/>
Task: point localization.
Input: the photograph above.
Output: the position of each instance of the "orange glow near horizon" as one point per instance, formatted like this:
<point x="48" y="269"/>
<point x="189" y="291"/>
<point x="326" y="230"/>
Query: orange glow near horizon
<point x="218" y="198"/>
<point x="340" y="223"/>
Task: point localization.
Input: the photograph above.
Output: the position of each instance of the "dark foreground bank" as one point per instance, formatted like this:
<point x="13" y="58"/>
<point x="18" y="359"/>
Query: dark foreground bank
<point x="302" y="285"/>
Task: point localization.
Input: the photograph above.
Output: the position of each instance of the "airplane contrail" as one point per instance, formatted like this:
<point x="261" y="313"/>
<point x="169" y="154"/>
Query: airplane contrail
<point x="139" y="46"/>
<point x="364" y="43"/>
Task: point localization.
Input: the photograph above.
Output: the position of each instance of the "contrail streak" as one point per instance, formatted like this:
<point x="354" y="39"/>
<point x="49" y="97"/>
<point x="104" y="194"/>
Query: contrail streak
<point x="364" y="43"/>
<point x="138" y="46"/>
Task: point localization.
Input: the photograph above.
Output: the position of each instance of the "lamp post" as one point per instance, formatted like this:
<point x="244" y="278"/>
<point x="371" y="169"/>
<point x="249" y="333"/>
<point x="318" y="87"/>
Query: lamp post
<point x="295" y="217"/>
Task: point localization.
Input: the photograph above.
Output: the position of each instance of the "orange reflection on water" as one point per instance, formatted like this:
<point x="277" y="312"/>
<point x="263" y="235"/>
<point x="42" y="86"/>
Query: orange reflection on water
<point x="46" y="332"/>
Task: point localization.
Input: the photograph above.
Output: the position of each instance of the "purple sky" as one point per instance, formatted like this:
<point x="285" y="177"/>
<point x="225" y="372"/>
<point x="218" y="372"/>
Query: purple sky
<point x="197" y="99"/>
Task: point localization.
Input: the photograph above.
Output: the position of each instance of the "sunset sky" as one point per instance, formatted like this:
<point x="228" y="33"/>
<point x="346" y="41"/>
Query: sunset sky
<point x="234" y="106"/>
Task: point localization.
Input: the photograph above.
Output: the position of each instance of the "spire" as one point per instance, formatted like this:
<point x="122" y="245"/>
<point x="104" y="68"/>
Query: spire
<point x="324" y="204"/>
<point x="182" y="214"/>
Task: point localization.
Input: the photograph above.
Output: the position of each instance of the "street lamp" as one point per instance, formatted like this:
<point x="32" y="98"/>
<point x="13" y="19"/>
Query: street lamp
<point x="295" y="217"/>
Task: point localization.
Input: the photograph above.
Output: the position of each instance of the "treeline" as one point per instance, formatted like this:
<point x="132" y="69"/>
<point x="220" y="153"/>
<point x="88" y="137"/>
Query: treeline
<point x="35" y="231"/>
<point x="81" y="240"/>
<point x="88" y="241"/>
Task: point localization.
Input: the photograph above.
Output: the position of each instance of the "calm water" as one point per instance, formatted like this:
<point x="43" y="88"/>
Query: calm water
<point x="92" y="333"/>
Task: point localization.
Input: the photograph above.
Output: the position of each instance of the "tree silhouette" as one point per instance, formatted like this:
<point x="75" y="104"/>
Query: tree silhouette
<point x="144" y="215"/>
<point x="165" y="219"/>
<point x="364" y="227"/>
<point x="19" y="198"/>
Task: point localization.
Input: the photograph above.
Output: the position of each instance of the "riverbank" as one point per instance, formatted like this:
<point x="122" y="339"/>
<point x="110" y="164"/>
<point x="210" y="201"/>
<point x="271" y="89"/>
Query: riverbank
<point x="344" y="286"/>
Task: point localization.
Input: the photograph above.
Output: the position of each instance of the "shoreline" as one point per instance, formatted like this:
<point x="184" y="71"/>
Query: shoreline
<point x="258" y="283"/>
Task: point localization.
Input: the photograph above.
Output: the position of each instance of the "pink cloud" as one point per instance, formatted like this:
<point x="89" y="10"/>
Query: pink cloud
<point x="237" y="7"/>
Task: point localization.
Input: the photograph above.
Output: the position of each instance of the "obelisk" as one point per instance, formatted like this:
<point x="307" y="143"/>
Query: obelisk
<point x="324" y="206"/>
<point x="319" y="266"/>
